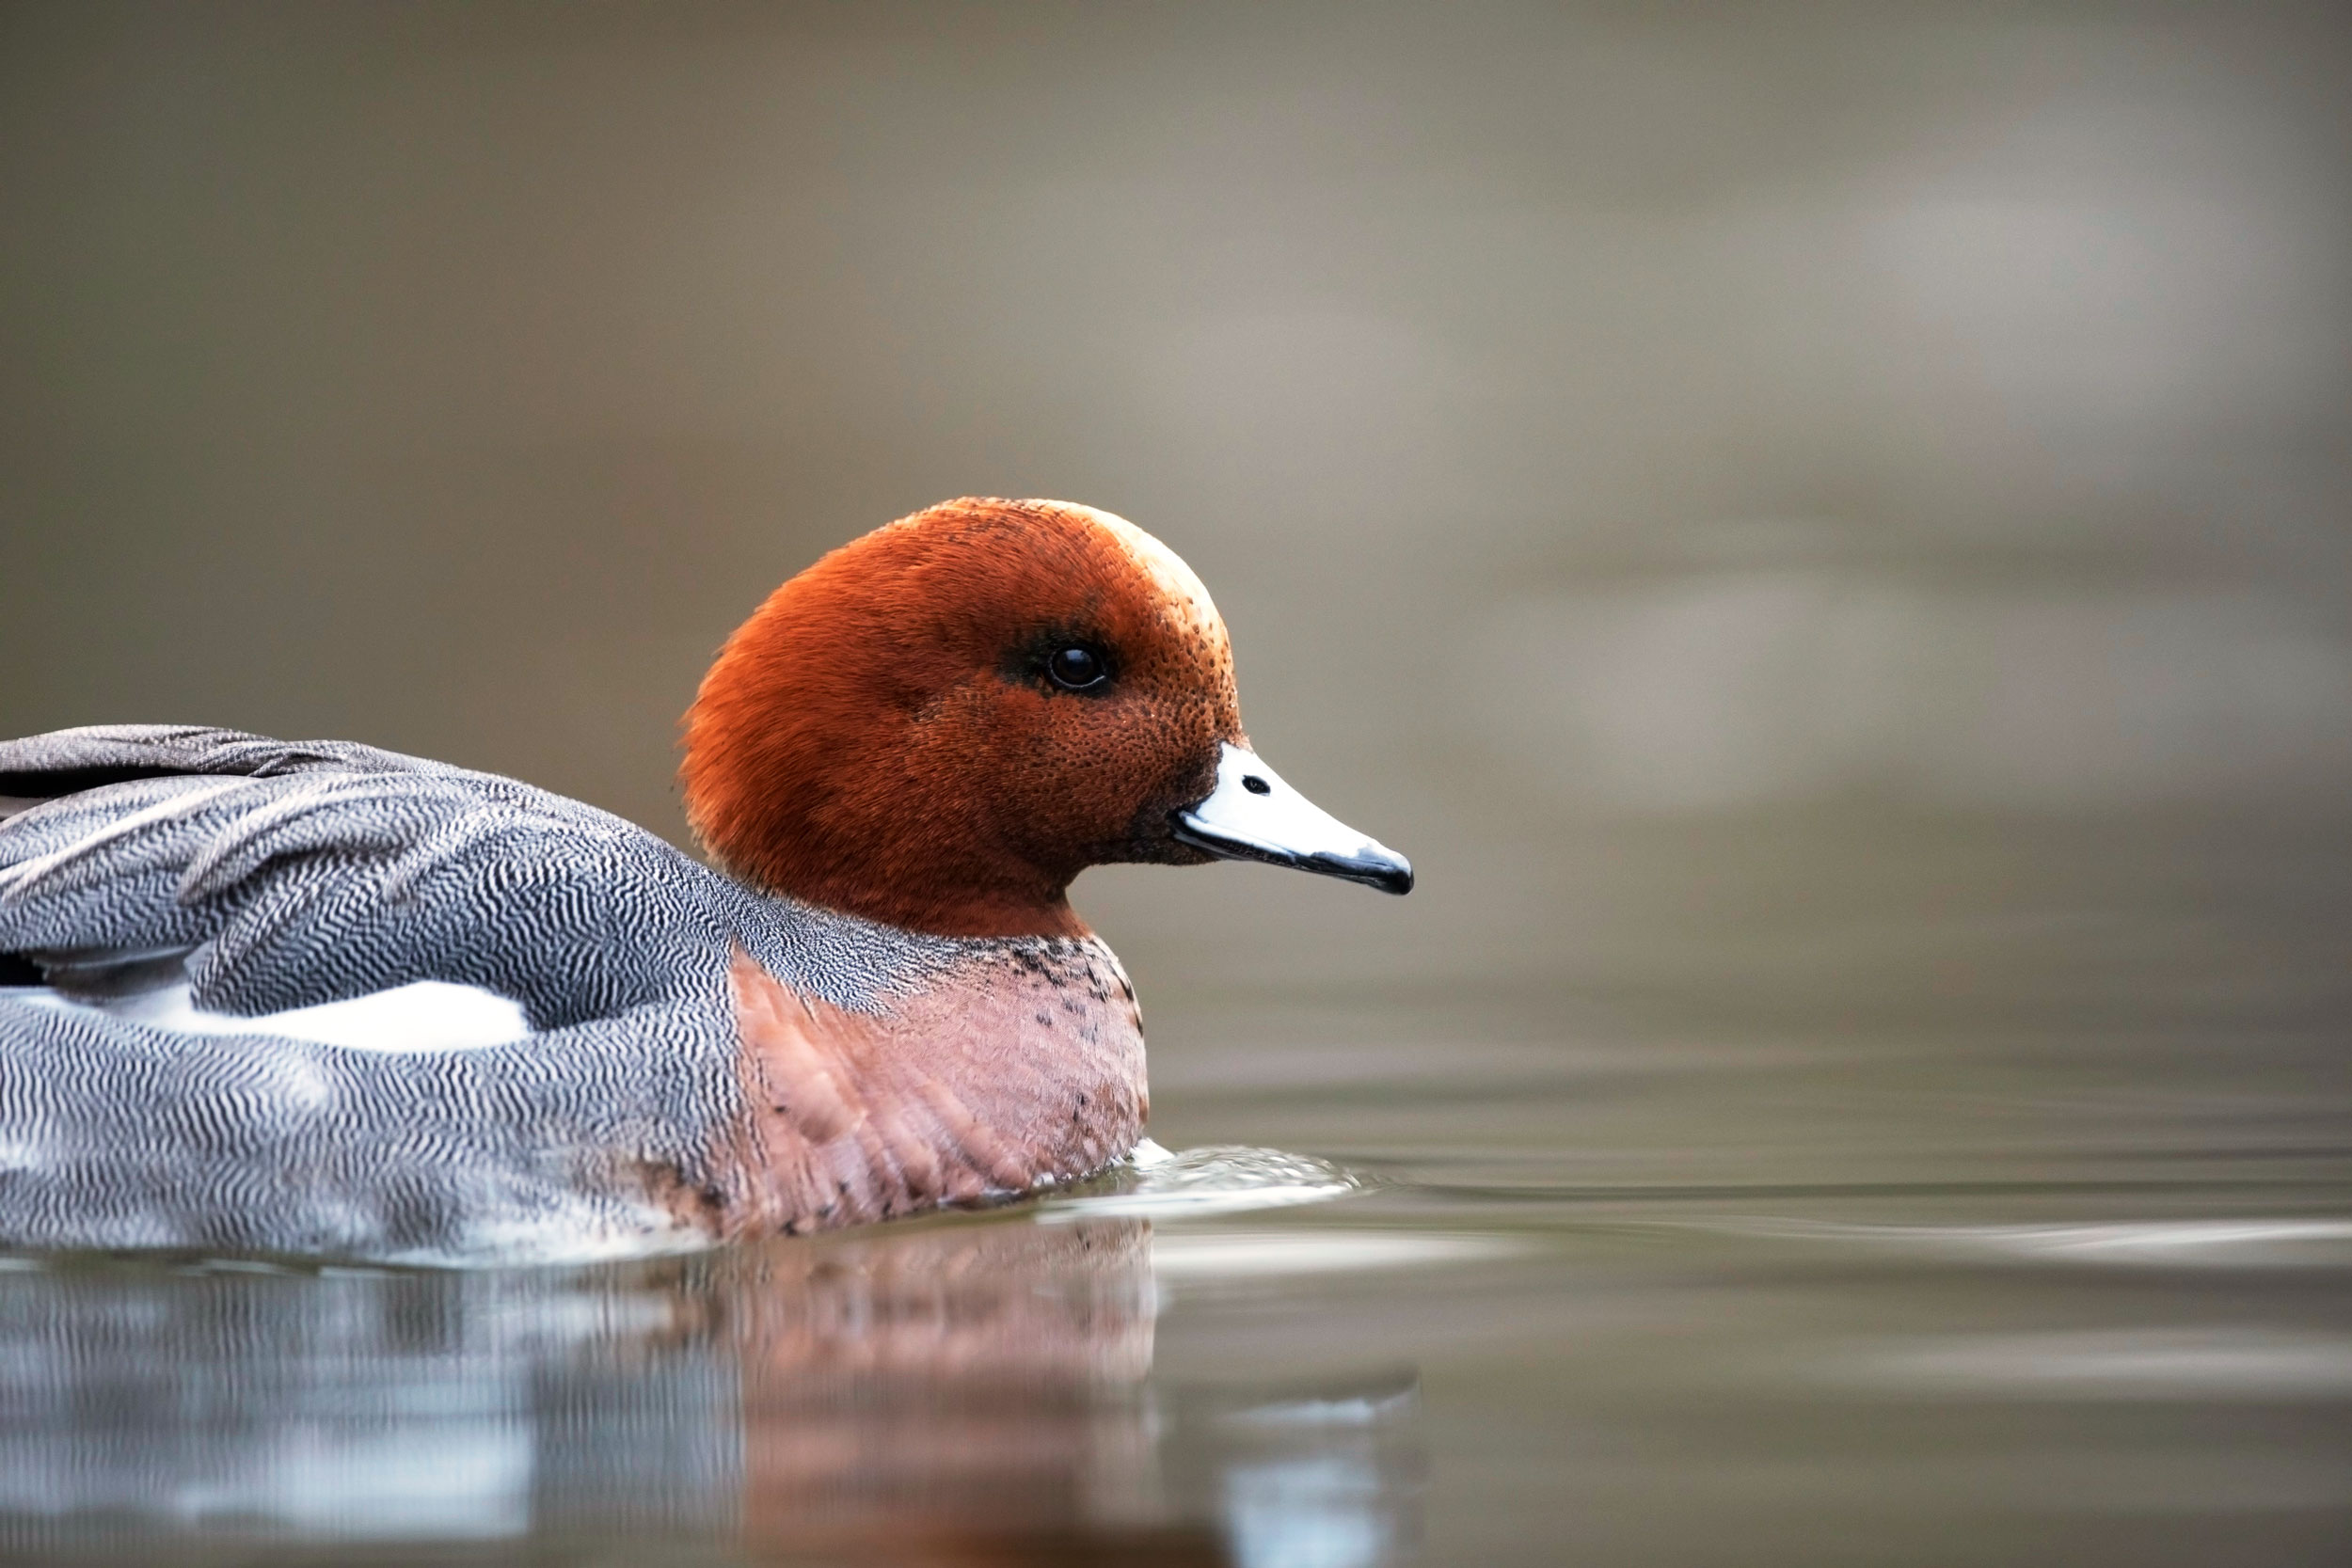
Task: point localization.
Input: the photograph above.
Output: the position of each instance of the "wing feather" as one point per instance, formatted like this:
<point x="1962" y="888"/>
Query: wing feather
<point x="292" y="875"/>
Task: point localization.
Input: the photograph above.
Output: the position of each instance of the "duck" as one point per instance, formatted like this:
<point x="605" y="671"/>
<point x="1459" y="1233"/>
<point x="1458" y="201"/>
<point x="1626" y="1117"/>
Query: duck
<point x="318" y="1000"/>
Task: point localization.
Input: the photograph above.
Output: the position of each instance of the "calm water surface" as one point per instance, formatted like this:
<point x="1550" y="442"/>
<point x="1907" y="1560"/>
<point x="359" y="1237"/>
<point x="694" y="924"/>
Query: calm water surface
<point x="1657" y="1301"/>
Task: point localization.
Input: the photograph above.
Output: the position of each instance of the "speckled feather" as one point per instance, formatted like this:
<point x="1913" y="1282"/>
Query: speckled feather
<point x="288" y="875"/>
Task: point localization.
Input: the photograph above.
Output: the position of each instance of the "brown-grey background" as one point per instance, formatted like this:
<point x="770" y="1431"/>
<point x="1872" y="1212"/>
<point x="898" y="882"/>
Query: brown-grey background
<point x="1821" y="528"/>
<point x="1800" y="518"/>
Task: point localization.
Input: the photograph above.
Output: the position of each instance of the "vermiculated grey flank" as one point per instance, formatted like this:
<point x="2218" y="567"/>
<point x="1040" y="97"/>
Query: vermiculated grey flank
<point x="274" y="876"/>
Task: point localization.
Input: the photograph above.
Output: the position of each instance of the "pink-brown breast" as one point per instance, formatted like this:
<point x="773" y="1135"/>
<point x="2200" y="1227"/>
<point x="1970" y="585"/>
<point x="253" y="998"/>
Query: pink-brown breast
<point x="1020" y="1065"/>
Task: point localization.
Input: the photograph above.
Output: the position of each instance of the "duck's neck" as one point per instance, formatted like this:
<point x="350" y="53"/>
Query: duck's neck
<point x="1004" y="1064"/>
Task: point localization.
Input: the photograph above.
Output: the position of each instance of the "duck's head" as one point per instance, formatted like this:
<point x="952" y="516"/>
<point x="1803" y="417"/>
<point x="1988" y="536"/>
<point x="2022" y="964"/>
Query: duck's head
<point x="942" y="723"/>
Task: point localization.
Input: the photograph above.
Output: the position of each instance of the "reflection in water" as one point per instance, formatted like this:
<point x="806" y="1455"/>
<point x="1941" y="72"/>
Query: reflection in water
<point x="962" y="1391"/>
<point x="980" y="1383"/>
<point x="1317" y="1484"/>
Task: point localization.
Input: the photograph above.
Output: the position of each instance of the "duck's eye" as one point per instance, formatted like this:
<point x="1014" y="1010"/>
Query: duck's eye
<point x="1076" y="668"/>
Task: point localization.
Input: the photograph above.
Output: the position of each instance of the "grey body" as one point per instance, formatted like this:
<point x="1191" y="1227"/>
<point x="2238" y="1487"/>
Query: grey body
<point x="274" y="876"/>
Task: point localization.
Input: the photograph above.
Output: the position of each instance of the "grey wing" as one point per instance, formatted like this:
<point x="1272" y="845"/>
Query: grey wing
<point x="286" y="875"/>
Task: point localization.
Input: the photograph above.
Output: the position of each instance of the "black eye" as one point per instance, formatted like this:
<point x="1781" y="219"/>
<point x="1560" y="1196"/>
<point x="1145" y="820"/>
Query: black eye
<point x="1076" y="668"/>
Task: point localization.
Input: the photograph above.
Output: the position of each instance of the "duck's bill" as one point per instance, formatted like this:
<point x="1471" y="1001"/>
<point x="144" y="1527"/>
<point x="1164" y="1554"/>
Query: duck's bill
<point x="1253" y="816"/>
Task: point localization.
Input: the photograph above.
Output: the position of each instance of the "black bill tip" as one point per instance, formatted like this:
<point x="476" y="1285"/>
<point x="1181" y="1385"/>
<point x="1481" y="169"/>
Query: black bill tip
<point x="1374" y="864"/>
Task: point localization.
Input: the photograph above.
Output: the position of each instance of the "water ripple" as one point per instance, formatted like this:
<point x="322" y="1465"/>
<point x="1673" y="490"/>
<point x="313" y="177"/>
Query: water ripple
<point x="1217" y="1179"/>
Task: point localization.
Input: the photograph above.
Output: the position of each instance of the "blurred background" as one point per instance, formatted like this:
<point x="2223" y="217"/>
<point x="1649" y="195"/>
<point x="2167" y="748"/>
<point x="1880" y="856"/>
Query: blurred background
<point x="1716" y="488"/>
<point x="1821" y="528"/>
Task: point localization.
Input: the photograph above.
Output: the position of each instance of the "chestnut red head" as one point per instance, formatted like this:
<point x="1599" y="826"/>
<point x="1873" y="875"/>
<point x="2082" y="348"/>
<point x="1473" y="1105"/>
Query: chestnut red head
<point x="942" y="723"/>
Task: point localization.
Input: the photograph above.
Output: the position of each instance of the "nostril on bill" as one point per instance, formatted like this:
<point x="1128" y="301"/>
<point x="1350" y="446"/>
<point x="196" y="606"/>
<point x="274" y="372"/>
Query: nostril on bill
<point x="1255" y="784"/>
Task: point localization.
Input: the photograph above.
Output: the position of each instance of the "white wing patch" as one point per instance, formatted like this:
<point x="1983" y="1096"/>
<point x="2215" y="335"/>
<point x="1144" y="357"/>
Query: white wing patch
<point x="424" y="1015"/>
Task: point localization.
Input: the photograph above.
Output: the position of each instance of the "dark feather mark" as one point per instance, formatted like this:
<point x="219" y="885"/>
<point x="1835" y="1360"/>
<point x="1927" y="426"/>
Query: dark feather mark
<point x="72" y="781"/>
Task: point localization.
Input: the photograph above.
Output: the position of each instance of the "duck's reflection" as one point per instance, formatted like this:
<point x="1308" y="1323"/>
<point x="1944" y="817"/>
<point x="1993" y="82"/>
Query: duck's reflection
<point x="958" y="1392"/>
<point x="988" y="1381"/>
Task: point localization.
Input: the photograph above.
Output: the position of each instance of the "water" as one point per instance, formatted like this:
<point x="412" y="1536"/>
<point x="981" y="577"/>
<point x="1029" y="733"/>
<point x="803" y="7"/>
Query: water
<point x="1542" y="1305"/>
